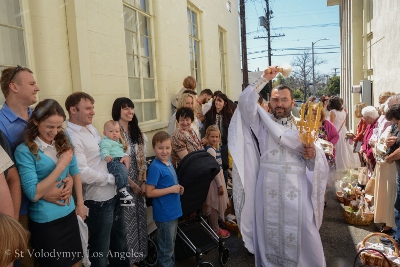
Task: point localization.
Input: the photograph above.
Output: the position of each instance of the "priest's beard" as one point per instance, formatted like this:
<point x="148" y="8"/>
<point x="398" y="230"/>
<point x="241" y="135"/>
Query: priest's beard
<point x="286" y="112"/>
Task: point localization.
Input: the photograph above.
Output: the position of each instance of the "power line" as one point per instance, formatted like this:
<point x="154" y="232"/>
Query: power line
<point x="307" y="26"/>
<point x="292" y="49"/>
<point x="292" y="55"/>
<point x="302" y="15"/>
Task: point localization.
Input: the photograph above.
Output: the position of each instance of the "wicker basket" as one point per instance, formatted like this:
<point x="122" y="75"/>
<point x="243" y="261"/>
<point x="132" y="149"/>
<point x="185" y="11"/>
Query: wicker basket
<point x="233" y="227"/>
<point x="348" y="198"/>
<point x="372" y="259"/>
<point x="339" y="196"/>
<point x="352" y="218"/>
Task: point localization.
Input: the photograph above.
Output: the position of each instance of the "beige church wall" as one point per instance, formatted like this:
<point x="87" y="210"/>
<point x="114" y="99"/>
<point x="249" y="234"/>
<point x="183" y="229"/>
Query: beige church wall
<point x="79" y="45"/>
<point x="384" y="43"/>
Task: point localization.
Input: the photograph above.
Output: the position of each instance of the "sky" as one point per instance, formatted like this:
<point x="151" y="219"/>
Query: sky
<point x="302" y="22"/>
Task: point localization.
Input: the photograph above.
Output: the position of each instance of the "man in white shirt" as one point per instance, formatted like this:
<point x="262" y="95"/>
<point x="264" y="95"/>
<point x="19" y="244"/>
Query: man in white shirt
<point x="105" y="220"/>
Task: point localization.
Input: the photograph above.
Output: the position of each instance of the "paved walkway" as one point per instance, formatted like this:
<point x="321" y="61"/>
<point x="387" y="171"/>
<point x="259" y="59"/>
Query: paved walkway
<point x="339" y="240"/>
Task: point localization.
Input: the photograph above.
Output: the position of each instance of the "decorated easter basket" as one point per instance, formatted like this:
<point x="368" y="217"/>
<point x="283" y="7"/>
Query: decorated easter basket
<point x="354" y="218"/>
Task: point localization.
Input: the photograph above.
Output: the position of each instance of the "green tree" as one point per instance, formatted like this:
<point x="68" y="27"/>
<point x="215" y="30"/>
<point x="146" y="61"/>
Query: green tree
<point x="298" y="94"/>
<point x="334" y="85"/>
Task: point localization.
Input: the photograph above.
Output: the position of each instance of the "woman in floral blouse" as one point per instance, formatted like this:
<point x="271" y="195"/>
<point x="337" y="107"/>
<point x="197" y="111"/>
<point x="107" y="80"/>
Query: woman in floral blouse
<point x="184" y="139"/>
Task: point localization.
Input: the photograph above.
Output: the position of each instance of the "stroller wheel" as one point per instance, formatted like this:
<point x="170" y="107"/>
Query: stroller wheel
<point x="152" y="254"/>
<point x="205" y="264"/>
<point x="224" y="256"/>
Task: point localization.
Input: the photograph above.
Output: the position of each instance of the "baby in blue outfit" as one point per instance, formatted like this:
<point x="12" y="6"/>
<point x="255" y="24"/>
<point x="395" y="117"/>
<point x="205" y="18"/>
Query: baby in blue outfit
<point x="112" y="150"/>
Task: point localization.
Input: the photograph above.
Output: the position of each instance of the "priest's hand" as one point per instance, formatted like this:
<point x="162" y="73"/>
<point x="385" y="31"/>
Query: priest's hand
<point x="270" y="73"/>
<point x="309" y="151"/>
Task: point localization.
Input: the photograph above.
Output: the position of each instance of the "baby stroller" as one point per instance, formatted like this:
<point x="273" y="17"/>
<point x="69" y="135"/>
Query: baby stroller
<point x="194" y="236"/>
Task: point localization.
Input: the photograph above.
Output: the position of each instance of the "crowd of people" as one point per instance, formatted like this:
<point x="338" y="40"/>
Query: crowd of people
<point x="54" y="179"/>
<point x="58" y="181"/>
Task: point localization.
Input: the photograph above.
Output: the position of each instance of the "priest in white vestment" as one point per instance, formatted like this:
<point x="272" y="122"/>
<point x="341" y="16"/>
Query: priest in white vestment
<point x="278" y="193"/>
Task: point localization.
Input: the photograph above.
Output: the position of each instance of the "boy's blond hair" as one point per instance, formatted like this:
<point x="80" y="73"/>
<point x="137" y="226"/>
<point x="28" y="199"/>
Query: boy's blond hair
<point x="160" y="137"/>
<point x="13" y="238"/>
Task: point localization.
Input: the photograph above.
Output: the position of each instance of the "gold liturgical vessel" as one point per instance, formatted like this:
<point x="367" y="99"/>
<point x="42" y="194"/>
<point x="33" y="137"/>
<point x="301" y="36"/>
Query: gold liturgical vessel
<point x="308" y="126"/>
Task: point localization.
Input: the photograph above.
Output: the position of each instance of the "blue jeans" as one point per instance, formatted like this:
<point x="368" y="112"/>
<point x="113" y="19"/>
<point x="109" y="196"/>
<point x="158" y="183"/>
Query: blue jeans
<point x="106" y="233"/>
<point x="119" y="171"/>
<point x="397" y="202"/>
<point x="166" y="234"/>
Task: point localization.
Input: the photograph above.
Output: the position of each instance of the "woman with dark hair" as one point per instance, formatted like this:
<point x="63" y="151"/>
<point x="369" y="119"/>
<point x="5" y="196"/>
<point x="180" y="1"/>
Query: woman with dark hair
<point x="221" y="115"/>
<point x="45" y="158"/>
<point x="135" y="219"/>
<point x="346" y="159"/>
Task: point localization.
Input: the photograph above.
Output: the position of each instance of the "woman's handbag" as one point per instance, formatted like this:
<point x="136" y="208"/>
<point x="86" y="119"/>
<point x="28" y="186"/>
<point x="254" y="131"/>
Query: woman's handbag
<point x="362" y="175"/>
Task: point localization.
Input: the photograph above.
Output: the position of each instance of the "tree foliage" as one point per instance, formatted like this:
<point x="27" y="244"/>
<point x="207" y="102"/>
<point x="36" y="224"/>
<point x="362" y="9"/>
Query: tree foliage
<point x="302" y="70"/>
<point x="334" y="85"/>
<point x="298" y="94"/>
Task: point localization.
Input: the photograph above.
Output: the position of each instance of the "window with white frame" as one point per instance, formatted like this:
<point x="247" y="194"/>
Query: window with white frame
<point x="222" y="55"/>
<point x="12" y="45"/>
<point x="140" y="59"/>
<point x="194" y="46"/>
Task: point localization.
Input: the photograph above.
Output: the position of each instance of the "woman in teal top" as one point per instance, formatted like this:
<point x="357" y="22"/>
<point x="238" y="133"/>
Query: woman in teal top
<point x="45" y="158"/>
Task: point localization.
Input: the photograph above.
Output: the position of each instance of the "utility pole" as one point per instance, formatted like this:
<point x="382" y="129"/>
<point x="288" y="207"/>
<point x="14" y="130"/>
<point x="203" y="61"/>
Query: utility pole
<point x="313" y="63"/>
<point x="244" y="46"/>
<point x="335" y="70"/>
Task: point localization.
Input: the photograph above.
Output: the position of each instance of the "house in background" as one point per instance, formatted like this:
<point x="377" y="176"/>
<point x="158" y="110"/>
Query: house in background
<point x="141" y="49"/>
<point x="369" y="40"/>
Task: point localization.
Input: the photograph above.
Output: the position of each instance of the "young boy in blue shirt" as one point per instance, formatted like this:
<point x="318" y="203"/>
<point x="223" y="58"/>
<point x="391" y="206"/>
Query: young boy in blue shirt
<point x="162" y="185"/>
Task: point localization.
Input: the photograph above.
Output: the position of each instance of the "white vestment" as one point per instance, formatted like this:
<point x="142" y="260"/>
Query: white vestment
<point x="278" y="195"/>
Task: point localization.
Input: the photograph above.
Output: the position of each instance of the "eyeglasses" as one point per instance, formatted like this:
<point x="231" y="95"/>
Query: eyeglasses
<point x="14" y="73"/>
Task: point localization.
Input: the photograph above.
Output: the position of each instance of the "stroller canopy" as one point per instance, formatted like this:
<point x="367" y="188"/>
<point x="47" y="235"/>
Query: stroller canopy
<point x="195" y="173"/>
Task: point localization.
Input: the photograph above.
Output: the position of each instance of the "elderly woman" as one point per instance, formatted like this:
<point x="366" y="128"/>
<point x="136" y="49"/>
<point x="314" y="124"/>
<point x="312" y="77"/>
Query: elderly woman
<point x="184" y="139"/>
<point x="188" y="100"/>
<point x="370" y="116"/>
<point x="385" y="177"/>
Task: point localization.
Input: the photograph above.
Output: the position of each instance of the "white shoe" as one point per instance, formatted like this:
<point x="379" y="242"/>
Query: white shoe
<point x="124" y="195"/>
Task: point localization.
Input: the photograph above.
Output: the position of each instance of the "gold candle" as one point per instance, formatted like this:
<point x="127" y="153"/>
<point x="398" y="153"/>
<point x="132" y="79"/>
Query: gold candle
<point x="317" y="118"/>
<point x="301" y="122"/>
<point x="309" y="124"/>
